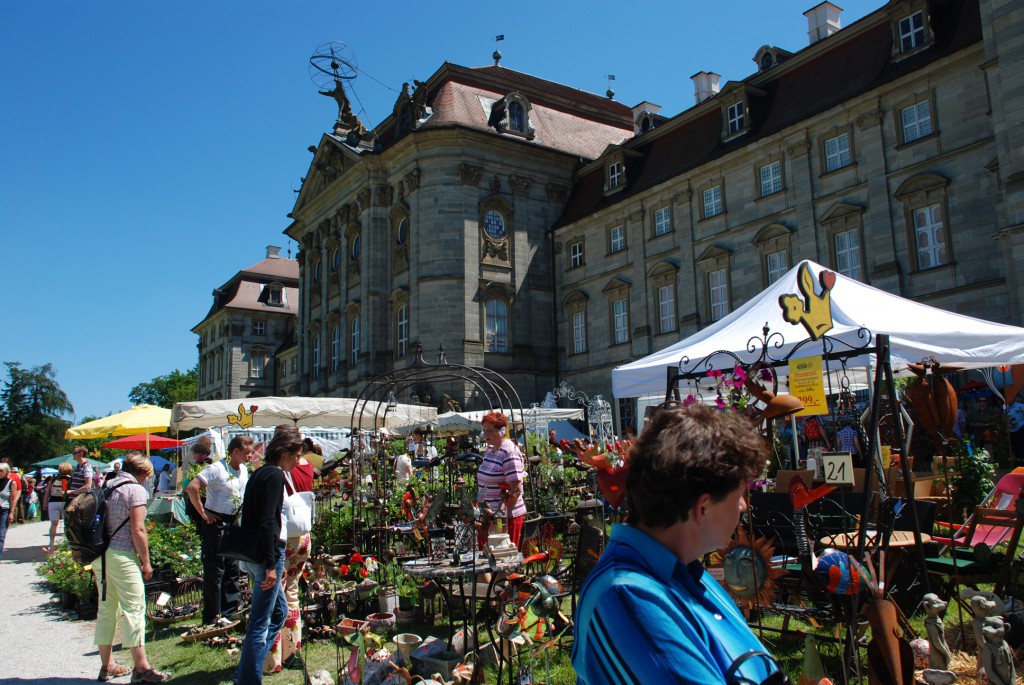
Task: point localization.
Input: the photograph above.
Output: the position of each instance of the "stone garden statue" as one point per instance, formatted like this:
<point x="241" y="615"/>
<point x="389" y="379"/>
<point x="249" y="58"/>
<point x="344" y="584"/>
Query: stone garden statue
<point x="938" y="656"/>
<point x="997" y="657"/>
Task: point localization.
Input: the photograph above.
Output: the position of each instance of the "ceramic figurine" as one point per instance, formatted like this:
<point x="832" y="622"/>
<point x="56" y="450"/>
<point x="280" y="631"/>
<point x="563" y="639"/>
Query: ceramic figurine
<point x="982" y="609"/>
<point x="813" y="671"/>
<point x="938" y="656"/>
<point x="997" y="657"/>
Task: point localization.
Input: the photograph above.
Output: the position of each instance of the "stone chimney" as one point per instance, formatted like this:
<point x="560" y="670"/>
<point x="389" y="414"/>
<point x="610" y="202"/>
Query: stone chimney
<point x="705" y="84"/>
<point x="822" y="21"/>
<point x="273" y="252"/>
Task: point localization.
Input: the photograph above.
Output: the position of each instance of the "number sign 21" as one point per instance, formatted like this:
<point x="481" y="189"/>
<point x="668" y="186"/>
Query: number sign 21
<point x="838" y="468"/>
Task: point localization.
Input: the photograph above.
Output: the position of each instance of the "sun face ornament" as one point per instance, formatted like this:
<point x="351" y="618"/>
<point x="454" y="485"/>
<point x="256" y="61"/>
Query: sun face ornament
<point x="748" y="573"/>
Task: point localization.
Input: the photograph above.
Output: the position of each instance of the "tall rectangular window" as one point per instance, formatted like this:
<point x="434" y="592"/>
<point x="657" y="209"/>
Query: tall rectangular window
<point x="617" y="239"/>
<point x="736" y="118"/>
<point x="620" y="316"/>
<point x="848" y="253"/>
<point x="911" y="31"/>
<point x="616" y="175"/>
<point x="712" y="202"/>
<point x="403" y="330"/>
<point x="335" y="348"/>
<point x="579" y="332"/>
<point x="930" y="232"/>
<point x="662" y="221"/>
<point x="917" y="121"/>
<point x="256" y="364"/>
<point x="666" y="309"/>
<point x="776" y="265"/>
<point x="497" y="326"/>
<point x="575" y="255"/>
<point x="356" y="340"/>
<point x="259" y="328"/>
<point x="316" y="356"/>
<point x="837" y="152"/>
<point x="771" y="178"/>
<point x="718" y="294"/>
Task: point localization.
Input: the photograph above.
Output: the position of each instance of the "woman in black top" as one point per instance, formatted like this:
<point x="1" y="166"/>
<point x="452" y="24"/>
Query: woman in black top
<point x="261" y="511"/>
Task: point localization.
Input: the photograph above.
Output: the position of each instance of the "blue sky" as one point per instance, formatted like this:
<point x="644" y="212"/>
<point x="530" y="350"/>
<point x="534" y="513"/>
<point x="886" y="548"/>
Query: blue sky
<point x="151" y="149"/>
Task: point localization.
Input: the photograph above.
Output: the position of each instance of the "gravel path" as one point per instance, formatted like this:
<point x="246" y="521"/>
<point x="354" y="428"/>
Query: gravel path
<point x="39" y="644"/>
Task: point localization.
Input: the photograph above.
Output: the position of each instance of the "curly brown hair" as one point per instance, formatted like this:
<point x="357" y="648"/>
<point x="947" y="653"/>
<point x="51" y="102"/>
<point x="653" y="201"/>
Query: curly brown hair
<point x="685" y="452"/>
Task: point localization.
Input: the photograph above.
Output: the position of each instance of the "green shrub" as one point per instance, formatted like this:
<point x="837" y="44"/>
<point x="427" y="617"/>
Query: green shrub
<point x="64" y="573"/>
<point x="175" y="548"/>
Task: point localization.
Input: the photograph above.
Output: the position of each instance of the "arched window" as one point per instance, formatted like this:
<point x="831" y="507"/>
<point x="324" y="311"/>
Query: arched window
<point x="516" y="117"/>
<point x="318" y="271"/>
<point x="497" y="326"/>
<point x="316" y="356"/>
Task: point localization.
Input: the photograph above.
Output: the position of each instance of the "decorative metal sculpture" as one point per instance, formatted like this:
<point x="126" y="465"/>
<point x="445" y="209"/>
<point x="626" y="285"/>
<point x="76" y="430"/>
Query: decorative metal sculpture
<point x="748" y="571"/>
<point x="599" y="411"/>
<point x="933" y="400"/>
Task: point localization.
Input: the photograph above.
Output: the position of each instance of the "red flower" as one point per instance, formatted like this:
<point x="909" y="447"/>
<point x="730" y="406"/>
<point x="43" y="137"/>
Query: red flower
<point x="363" y="572"/>
<point x="356" y="558"/>
<point x="344" y="569"/>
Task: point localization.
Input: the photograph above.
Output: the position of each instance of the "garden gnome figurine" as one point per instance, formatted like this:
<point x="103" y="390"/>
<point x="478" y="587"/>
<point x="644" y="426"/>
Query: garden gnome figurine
<point x="813" y="671"/>
<point x="938" y="657"/>
<point x="997" y="658"/>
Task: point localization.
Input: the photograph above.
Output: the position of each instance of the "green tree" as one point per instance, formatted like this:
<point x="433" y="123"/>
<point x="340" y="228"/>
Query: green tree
<point x="32" y="414"/>
<point x="164" y="391"/>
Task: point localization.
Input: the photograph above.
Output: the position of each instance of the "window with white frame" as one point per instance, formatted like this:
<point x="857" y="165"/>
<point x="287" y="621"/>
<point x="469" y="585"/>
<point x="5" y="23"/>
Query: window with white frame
<point x="666" y="309"/>
<point x="718" y="294"/>
<point x="917" y="121"/>
<point x="911" y="31"/>
<point x="847" y="245"/>
<point x="497" y="326"/>
<point x="930" y="233"/>
<point x="617" y="239"/>
<point x="837" y="152"/>
<point x="662" y="221"/>
<point x="620" y="321"/>
<point x="257" y="360"/>
<point x="771" y="178"/>
<point x="516" y="117"/>
<point x="316" y="356"/>
<point x="576" y="255"/>
<point x="776" y="265"/>
<point x="335" y="348"/>
<point x="356" y="338"/>
<point x="259" y="328"/>
<point x="712" y="201"/>
<point x="616" y="175"/>
<point x="579" y="332"/>
<point x="736" y="118"/>
<point x="402" y="330"/>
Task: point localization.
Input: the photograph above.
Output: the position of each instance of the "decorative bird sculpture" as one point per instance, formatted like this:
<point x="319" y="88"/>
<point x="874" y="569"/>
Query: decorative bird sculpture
<point x="933" y="400"/>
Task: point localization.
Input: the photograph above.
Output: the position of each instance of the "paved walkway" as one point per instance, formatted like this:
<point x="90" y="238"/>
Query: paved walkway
<point x="39" y="644"/>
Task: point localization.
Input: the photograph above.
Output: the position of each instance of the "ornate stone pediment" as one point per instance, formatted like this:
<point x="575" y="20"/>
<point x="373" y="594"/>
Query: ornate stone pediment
<point x="331" y="161"/>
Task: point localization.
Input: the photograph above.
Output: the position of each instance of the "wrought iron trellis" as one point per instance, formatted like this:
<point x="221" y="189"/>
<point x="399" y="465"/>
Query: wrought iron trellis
<point x="480" y="388"/>
<point x="598" y="409"/>
<point x="767" y="351"/>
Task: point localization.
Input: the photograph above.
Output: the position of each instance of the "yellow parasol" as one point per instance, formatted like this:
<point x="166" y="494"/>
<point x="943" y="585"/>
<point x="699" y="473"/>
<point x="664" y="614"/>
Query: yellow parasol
<point x="143" y="418"/>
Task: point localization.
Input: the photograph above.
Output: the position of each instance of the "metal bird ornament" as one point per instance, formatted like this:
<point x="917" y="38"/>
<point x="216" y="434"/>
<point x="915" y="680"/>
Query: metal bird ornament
<point x="933" y="400"/>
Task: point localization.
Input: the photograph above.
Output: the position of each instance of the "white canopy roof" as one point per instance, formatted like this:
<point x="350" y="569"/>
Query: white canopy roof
<point x="333" y="412"/>
<point x="916" y="332"/>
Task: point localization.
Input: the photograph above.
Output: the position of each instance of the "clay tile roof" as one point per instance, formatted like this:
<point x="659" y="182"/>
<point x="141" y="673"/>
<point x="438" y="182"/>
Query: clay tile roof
<point x="275" y="268"/>
<point x="541" y="86"/>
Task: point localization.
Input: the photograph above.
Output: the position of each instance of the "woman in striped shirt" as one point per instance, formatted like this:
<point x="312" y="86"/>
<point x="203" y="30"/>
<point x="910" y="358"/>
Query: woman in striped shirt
<point x="499" y="481"/>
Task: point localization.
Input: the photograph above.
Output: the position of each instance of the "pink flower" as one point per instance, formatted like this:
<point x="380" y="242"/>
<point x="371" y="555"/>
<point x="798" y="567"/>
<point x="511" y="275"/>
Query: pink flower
<point x="719" y="402"/>
<point x="690" y="399"/>
<point x="715" y="373"/>
<point x="739" y="374"/>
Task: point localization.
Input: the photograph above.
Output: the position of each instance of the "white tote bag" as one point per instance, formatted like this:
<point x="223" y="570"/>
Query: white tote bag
<point x="298" y="512"/>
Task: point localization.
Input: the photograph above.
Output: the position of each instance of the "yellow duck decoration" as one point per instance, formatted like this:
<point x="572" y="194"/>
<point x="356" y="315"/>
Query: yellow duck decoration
<point x="243" y="419"/>
<point x="813" y="311"/>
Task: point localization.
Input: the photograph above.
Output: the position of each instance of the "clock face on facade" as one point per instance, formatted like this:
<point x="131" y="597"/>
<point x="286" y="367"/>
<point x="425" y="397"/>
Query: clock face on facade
<point x="494" y="224"/>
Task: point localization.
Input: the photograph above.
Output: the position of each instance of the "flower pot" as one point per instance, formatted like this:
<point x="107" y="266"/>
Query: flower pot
<point x="406" y="603"/>
<point x="87" y="609"/>
<point x="380" y="623"/>
<point x="67" y="600"/>
<point x="366" y="589"/>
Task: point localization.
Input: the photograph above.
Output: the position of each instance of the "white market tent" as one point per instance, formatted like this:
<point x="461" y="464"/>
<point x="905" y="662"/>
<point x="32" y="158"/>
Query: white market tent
<point x="333" y="412"/>
<point x="915" y="331"/>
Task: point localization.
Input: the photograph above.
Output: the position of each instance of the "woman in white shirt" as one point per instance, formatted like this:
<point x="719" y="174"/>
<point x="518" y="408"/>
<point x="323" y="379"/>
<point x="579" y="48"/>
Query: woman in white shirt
<point x="224" y="481"/>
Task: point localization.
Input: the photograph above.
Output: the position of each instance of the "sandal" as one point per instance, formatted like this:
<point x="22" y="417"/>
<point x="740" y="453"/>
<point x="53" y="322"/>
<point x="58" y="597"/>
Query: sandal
<point x="149" y="676"/>
<point x="116" y="672"/>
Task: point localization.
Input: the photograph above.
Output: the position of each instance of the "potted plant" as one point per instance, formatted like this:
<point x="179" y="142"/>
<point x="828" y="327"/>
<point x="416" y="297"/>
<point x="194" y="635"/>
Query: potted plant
<point x="67" y="577"/>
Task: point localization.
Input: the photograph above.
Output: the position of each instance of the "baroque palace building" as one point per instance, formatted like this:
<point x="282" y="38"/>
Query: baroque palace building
<point x="434" y="228"/>
<point x="551" y="234"/>
<point x="891" y="151"/>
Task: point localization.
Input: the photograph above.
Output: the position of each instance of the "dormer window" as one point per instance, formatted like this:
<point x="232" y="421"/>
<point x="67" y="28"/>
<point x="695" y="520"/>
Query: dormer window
<point x="911" y="31"/>
<point x="511" y="114"/>
<point x="616" y="175"/>
<point x="736" y="117"/>
<point x="275" y="295"/>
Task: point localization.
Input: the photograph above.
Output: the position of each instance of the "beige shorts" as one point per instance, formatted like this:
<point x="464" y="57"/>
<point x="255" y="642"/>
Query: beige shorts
<point x="56" y="510"/>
